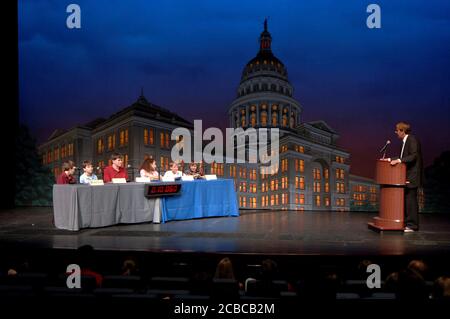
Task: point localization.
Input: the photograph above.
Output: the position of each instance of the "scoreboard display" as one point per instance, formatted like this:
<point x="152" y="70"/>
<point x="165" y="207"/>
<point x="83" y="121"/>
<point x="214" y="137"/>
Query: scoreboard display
<point x="162" y="189"/>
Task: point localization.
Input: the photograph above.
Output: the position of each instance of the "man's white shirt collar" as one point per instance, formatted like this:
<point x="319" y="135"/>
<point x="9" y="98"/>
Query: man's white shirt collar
<point x="405" y="138"/>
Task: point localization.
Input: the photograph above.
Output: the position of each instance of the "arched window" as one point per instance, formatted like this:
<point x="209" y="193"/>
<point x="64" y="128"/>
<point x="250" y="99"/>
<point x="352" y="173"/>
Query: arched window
<point x="274" y="119"/>
<point x="243" y="123"/>
<point x="292" y="120"/>
<point x="264" y="118"/>
<point x="253" y="119"/>
<point x="285" y="121"/>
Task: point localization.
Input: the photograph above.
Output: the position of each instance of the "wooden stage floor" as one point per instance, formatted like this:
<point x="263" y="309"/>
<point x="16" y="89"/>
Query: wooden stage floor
<point x="254" y="232"/>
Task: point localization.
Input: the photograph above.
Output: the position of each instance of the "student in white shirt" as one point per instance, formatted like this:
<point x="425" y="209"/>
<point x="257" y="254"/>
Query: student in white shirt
<point x="88" y="174"/>
<point x="148" y="169"/>
<point x="174" y="172"/>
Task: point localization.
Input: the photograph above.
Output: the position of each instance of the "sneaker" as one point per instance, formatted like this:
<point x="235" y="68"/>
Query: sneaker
<point x="408" y="230"/>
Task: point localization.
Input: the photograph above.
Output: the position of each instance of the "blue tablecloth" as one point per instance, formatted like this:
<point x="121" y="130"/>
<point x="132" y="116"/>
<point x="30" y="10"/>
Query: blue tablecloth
<point x="200" y="199"/>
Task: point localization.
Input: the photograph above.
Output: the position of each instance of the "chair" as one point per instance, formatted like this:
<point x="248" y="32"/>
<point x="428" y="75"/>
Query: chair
<point x="129" y="282"/>
<point x="169" y="283"/>
<point x="225" y="289"/>
<point x="347" y="295"/>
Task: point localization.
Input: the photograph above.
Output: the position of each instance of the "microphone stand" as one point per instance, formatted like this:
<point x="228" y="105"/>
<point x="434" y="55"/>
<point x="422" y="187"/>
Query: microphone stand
<point x="384" y="149"/>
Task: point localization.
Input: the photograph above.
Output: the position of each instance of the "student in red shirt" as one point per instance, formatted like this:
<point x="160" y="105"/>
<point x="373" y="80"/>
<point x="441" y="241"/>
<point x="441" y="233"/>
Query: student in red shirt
<point x="115" y="170"/>
<point x="66" y="176"/>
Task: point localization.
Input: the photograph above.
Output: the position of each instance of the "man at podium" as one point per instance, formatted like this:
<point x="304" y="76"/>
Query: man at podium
<point x="411" y="155"/>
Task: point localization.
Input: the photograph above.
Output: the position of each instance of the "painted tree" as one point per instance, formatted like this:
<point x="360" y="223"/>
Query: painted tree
<point x="34" y="181"/>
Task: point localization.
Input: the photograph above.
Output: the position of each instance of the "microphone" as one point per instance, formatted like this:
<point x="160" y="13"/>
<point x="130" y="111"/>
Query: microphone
<point x="385" y="146"/>
<point x="159" y="172"/>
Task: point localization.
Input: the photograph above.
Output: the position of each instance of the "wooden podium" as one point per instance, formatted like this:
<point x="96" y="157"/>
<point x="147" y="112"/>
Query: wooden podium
<point x="392" y="180"/>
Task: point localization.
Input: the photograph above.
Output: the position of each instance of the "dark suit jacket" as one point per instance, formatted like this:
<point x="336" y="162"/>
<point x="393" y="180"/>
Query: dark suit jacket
<point x="412" y="157"/>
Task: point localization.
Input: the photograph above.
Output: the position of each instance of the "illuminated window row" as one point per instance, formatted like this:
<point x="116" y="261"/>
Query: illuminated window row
<point x="57" y="153"/>
<point x="149" y="136"/>
<point x="111" y="141"/>
<point x="217" y="168"/>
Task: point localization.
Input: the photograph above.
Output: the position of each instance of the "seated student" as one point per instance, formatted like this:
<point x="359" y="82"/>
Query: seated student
<point x="88" y="174"/>
<point x="115" y="170"/>
<point x="148" y="169"/>
<point x="174" y="172"/>
<point x="66" y="176"/>
<point x="193" y="170"/>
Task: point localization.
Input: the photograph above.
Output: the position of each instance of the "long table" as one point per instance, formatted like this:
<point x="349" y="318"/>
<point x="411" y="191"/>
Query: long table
<point x="201" y="198"/>
<point x="83" y="206"/>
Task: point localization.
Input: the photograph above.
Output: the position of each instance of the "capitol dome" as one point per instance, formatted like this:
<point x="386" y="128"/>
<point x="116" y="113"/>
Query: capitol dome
<point x="264" y="97"/>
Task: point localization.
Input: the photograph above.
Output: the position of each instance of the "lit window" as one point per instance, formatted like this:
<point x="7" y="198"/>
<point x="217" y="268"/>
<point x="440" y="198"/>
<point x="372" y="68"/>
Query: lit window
<point x="284" y="165"/>
<point x="122" y="138"/>
<point x="316" y="187"/>
<point x="145" y="136"/>
<point x="100" y="146"/>
<point x="111" y="142"/>
<point x="299" y="182"/>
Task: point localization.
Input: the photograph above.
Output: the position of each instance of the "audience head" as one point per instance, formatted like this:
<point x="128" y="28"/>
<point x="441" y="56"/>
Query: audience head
<point x="269" y="269"/>
<point x="441" y="288"/>
<point x="224" y="269"/>
<point x="411" y="286"/>
<point x="129" y="267"/>
<point x="392" y="282"/>
<point x="418" y="266"/>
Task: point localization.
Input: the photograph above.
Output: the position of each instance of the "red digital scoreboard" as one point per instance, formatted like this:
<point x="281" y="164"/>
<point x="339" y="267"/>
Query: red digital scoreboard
<point x="162" y="189"/>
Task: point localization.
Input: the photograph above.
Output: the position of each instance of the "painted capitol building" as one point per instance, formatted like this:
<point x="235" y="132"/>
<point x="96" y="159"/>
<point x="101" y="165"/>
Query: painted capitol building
<point x="313" y="174"/>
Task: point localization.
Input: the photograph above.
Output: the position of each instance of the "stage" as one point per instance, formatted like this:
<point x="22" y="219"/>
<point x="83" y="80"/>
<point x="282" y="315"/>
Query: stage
<point x="254" y="232"/>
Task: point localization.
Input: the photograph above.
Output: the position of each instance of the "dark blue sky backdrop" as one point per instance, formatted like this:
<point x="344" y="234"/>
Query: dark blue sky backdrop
<point x="188" y="55"/>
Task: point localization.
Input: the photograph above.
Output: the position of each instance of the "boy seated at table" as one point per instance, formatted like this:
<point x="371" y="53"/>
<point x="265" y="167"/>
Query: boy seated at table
<point x="174" y="172"/>
<point x="115" y="170"/>
<point x="66" y="176"/>
<point x="88" y="173"/>
<point x="148" y="169"/>
<point x="194" y="170"/>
